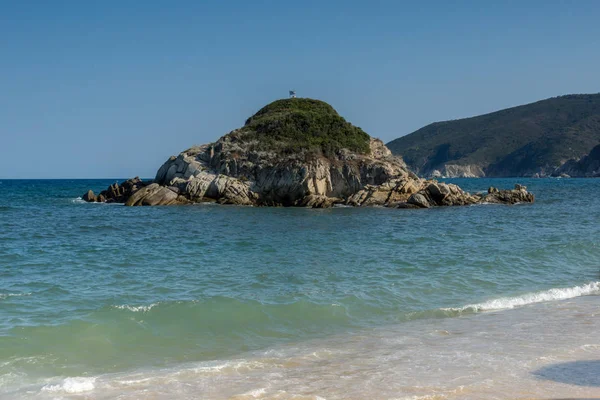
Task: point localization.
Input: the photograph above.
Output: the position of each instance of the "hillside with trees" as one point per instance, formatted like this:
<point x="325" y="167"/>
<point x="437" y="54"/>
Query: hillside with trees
<point x="531" y="139"/>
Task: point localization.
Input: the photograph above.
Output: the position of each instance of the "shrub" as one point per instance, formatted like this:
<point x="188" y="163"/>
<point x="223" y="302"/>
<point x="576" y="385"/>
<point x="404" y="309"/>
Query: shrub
<point x="295" y="125"/>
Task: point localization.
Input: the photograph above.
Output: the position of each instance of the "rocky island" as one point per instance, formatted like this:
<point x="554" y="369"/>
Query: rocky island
<point x="296" y="152"/>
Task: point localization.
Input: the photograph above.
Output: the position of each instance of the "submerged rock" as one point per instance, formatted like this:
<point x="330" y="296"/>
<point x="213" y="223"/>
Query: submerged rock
<point x="319" y="164"/>
<point x="518" y="195"/>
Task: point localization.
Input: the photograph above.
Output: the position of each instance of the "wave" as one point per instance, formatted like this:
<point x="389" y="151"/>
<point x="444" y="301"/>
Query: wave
<point x="7" y="295"/>
<point x="136" y="308"/>
<point x="72" y="385"/>
<point x="554" y="294"/>
<point x="79" y="200"/>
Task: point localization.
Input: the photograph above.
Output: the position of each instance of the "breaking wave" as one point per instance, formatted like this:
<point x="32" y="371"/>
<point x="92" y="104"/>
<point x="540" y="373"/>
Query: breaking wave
<point x="136" y="308"/>
<point x="7" y="295"/>
<point x="72" y="385"/>
<point x="505" y="303"/>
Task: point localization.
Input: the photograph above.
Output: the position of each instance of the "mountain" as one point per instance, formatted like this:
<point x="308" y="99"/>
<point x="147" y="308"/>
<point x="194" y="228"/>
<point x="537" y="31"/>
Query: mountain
<point x="531" y="139"/>
<point x="586" y="167"/>
<point x="295" y="152"/>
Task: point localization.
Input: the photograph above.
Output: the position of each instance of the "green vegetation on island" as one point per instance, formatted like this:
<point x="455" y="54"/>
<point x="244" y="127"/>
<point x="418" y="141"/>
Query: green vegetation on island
<point x="519" y="141"/>
<point x="293" y="125"/>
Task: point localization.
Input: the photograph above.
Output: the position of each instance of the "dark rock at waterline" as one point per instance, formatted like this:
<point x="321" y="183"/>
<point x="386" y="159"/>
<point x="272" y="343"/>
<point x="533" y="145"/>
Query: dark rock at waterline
<point x="154" y="195"/>
<point x="419" y="200"/>
<point x="116" y="193"/>
<point x="89" y="196"/>
<point x="311" y="185"/>
<point x="518" y="195"/>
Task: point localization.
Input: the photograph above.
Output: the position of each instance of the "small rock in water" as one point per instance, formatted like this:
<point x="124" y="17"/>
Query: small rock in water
<point x="89" y="196"/>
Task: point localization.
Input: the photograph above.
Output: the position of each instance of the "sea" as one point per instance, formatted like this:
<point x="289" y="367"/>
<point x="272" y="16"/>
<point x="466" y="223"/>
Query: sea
<point x="103" y="301"/>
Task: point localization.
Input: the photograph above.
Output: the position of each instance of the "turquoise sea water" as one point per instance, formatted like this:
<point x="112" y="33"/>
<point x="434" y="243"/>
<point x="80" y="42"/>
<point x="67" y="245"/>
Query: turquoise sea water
<point x="97" y="292"/>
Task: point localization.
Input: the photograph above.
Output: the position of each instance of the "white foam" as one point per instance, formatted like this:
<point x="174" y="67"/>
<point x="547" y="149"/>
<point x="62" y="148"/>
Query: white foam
<point x="591" y="348"/>
<point x="72" y="385"/>
<point x="256" y="392"/>
<point x="505" y="303"/>
<point x="136" y="308"/>
<point x="79" y="200"/>
<point x="135" y="381"/>
<point x="228" y="366"/>
<point x="7" y="295"/>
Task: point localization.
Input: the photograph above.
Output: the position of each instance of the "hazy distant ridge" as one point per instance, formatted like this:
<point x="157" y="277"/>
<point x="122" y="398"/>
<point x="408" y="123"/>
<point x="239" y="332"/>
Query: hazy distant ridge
<point x="531" y="139"/>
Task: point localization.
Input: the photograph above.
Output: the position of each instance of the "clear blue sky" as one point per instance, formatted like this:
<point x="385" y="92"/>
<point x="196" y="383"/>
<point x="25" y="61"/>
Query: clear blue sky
<point x="110" y="89"/>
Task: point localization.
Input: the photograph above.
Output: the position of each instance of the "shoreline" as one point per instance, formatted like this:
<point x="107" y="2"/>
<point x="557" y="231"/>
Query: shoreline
<point x="529" y="352"/>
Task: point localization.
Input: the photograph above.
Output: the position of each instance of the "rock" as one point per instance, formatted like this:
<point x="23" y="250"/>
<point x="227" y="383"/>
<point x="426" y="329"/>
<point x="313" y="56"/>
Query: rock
<point x="378" y="149"/>
<point x="438" y="192"/>
<point x="89" y="196"/>
<point x="407" y="205"/>
<point x="518" y="195"/>
<point x="237" y="192"/>
<point x="356" y="180"/>
<point x="231" y="172"/>
<point x="419" y="200"/>
<point x="117" y="193"/>
<point x="316" y="201"/>
<point x="409" y="186"/>
<point x="155" y="195"/>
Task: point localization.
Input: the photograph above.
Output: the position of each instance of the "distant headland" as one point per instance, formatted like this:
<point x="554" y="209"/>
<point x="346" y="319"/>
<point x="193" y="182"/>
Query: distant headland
<point x="533" y="140"/>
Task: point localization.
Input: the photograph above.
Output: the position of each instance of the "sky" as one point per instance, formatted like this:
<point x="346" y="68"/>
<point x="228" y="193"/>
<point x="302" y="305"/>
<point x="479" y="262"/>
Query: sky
<point x="111" y="89"/>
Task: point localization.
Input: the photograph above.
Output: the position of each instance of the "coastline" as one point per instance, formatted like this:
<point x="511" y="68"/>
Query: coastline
<point x="538" y="351"/>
